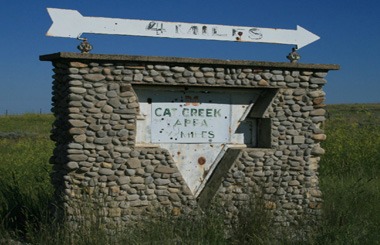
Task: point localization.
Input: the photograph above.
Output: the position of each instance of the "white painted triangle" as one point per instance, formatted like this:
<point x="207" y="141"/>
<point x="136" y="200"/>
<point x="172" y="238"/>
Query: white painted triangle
<point x="195" y="162"/>
<point x="168" y="121"/>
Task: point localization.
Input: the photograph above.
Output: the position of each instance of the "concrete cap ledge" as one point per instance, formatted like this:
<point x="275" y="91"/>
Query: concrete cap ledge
<point x="189" y="61"/>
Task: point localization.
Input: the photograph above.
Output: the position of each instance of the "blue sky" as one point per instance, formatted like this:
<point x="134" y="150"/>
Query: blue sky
<point x="349" y="31"/>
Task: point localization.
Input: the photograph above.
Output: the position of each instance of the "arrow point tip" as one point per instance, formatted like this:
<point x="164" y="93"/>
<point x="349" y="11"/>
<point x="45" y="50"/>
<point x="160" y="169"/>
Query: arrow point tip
<point x="307" y="37"/>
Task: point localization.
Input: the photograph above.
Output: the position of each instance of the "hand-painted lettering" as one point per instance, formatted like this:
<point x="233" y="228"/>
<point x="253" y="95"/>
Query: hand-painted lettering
<point x="194" y="134"/>
<point x="204" y="123"/>
<point x="190" y="120"/>
<point x="158" y="112"/>
<point x="165" y="112"/>
<point x="194" y="122"/>
<point x="193" y="112"/>
<point x="186" y="112"/>
<point x="217" y="113"/>
<point x="255" y="34"/>
<point x="187" y="122"/>
<point x="201" y="112"/>
<point x="177" y="123"/>
<point x="211" y="135"/>
<point x="156" y="26"/>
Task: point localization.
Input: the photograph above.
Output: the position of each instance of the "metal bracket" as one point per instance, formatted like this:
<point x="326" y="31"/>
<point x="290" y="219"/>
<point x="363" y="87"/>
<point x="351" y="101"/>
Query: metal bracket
<point x="85" y="47"/>
<point x="293" y="56"/>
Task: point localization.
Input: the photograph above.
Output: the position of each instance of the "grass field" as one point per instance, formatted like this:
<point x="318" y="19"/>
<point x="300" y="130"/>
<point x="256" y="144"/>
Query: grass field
<point x="349" y="175"/>
<point x="349" y="179"/>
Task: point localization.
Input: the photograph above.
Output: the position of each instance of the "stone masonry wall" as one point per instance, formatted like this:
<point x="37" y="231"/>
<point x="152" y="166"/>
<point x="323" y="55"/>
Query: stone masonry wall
<point x="95" y="130"/>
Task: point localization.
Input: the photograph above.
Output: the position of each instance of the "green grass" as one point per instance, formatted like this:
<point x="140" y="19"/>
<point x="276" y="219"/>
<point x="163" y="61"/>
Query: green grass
<point x="349" y="179"/>
<point x="24" y="159"/>
<point x="27" y="123"/>
<point x="349" y="175"/>
<point x="25" y="189"/>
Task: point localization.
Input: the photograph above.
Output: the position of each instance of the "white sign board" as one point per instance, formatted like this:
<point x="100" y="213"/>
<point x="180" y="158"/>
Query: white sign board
<point x="70" y="23"/>
<point x="190" y="122"/>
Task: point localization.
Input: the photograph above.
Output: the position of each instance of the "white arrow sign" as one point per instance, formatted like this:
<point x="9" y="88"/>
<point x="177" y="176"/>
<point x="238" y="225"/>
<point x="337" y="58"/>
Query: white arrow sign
<point x="70" y="23"/>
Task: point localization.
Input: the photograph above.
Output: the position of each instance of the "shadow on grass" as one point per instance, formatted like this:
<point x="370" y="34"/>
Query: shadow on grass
<point x="21" y="213"/>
